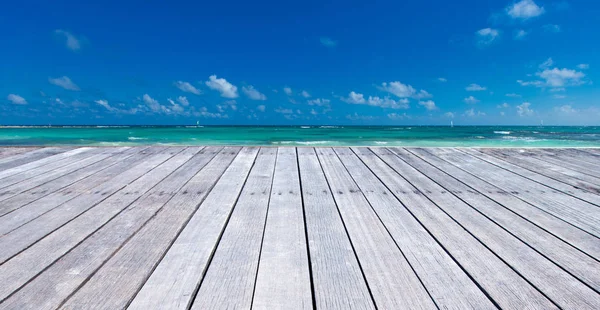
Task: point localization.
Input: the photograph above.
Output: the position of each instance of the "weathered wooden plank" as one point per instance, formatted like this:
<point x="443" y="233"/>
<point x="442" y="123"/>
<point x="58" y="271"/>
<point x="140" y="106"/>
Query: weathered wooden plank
<point x="581" y="266"/>
<point x="144" y="250"/>
<point x="176" y="278"/>
<point x="283" y="279"/>
<point x="448" y="285"/>
<point x="549" y="183"/>
<point x="81" y="170"/>
<point x="506" y="287"/>
<point x="550" y="223"/>
<point x="578" y="180"/>
<point x="30" y="176"/>
<point x="20" y="269"/>
<point x="577" y="212"/>
<point x="12" y="152"/>
<point x="337" y="278"/>
<point x="29" y="157"/>
<point x="573" y="160"/>
<point x="21" y="216"/>
<point x="385" y="268"/>
<point x="231" y="275"/>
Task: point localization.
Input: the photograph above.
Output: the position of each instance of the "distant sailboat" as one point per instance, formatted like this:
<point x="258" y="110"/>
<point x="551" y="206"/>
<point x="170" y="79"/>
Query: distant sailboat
<point x="197" y="123"/>
<point x="451" y="124"/>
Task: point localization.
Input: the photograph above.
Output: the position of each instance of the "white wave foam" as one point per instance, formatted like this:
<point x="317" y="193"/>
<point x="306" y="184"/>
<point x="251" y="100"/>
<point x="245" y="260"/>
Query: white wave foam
<point x="502" y="132"/>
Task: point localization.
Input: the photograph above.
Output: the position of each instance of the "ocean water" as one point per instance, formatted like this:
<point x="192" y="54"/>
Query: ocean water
<point x="425" y="136"/>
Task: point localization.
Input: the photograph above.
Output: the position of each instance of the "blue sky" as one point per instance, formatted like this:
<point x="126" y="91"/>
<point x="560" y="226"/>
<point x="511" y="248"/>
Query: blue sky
<point x="305" y="62"/>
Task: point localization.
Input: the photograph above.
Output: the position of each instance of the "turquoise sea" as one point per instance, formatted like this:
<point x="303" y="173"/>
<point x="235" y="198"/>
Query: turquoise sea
<point x="500" y="136"/>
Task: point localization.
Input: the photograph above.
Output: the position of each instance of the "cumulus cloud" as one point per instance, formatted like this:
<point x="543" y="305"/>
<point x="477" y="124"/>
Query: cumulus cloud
<point x="287" y="91"/>
<point x="305" y="94"/>
<point x="443" y="80"/>
<point x="567" y="109"/>
<point x="281" y="110"/>
<point x="503" y="106"/>
<point x="105" y="104"/>
<point x="475" y="87"/>
<point x="552" y="28"/>
<point x="559" y="96"/>
<point x="396" y="116"/>
<point x="471" y="100"/>
<point x="583" y="66"/>
<point x="386" y="102"/>
<point x="261" y="107"/>
<point x="449" y="114"/>
<point x="16" y="99"/>
<point x="328" y="42"/>
<point x="404" y="90"/>
<point x="520" y="34"/>
<point x="524" y="110"/>
<point x="183" y="100"/>
<point x="64" y="82"/>
<point x="524" y="9"/>
<point x="547" y="64"/>
<point x="561" y="77"/>
<point x="221" y="85"/>
<point x="429" y="105"/>
<point x="354" y="98"/>
<point x="72" y="42"/>
<point x="187" y="87"/>
<point x="319" y="102"/>
<point x="153" y="104"/>
<point x="473" y="113"/>
<point x="486" y="36"/>
<point x="513" y="95"/>
<point x="253" y="93"/>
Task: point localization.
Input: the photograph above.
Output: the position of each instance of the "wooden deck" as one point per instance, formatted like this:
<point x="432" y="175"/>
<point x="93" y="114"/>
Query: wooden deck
<point x="274" y="228"/>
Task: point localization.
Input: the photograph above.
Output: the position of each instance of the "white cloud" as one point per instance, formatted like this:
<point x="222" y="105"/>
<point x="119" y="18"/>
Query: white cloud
<point x="557" y="89"/>
<point x="475" y="87"/>
<point x="513" y="95"/>
<point x="281" y="110"/>
<point x="471" y="100"/>
<point x="354" y="98"/>
<point x="521" y="34"/>
<point x="524" y="110"/>
<point x="552" y="28"/>
<point x="473" y="113"/>
<point x="105" y="104"/>
<point x="531" y="83"/>
<point x="503" y="106"/>
<point x="305" y="94"/>
<point x="328" y="42"/>
<point x="16" y="99"/>
<point x="422" y="95"/>
<point x="442" y="80"/>
<point x="583" y="66"/>
<point x="396" y="116"/>
<point x="155" y="106"/>
<point x="403" y="90"/>
<point x="357" y="117"/>
<point x="486" y="36"/>
<point x="183" y="100"/>
<point x="64" y="82"/>
<point x="449" y="114"/>
<point x="524" y="9"/>
<point x="204" y="113"/>
<point x="221" y="85"/>
<point x="561" y="77"/>
<point x="567" y="109"/>
<point x="261" y="107"/>
<point x="319" y="102"/>
<point x="386" y="102"/>
<point x="174" y="106"/>
<point x="559" y="96"/>
<point x="546" y="64"/>
<point x="253" y="93"/>
<point x="71" y="41"/>
<point x="429" y="105"/>
<point x="187" y="87"/>
<point x="287" y="91"/>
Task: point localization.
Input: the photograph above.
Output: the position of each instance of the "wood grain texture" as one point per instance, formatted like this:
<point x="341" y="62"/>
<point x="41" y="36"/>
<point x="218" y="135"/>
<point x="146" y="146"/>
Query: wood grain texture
<point x="148" y="245"/>
<point x="29" y="157"/>
<point x="176" y="278"/>
<point x="337" y="278"/>
<point x="446" y="282"/>
<point x="231" y="275"/>
<point x="506" y="287"/>
<point x="283" y="279"/>
<point x="386" y="269"/>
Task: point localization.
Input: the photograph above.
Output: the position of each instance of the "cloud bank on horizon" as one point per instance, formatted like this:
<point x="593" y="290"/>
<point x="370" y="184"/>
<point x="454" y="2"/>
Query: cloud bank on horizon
<point x="517" y="62"/>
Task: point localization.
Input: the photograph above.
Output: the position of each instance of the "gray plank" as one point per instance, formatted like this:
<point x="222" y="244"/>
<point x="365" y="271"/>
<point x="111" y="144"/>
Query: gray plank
<point x="22" y="268"/>
<point x="11" y="153"/>
<point x="174" y="281"/>
<point x="546" y="221"/>
<point x="549" y="183"/>
<point x="573" y="160"/>
<point x="581" y="266"/>
<point x="506" y="287"/>
<point x="447" y="283"/>
<point x="136" y="259"/>
<point x="23" y="177"/>
<point x="525" y="160"/>
<point x="231" y="275"/>
<point x="577" y="212"/>
<point x="385" y="268"/>
<point x="29" y="157"/>
<point x="86" y="192"/>
<point x="337" y="278"/>
<point x="283" y="279"/>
